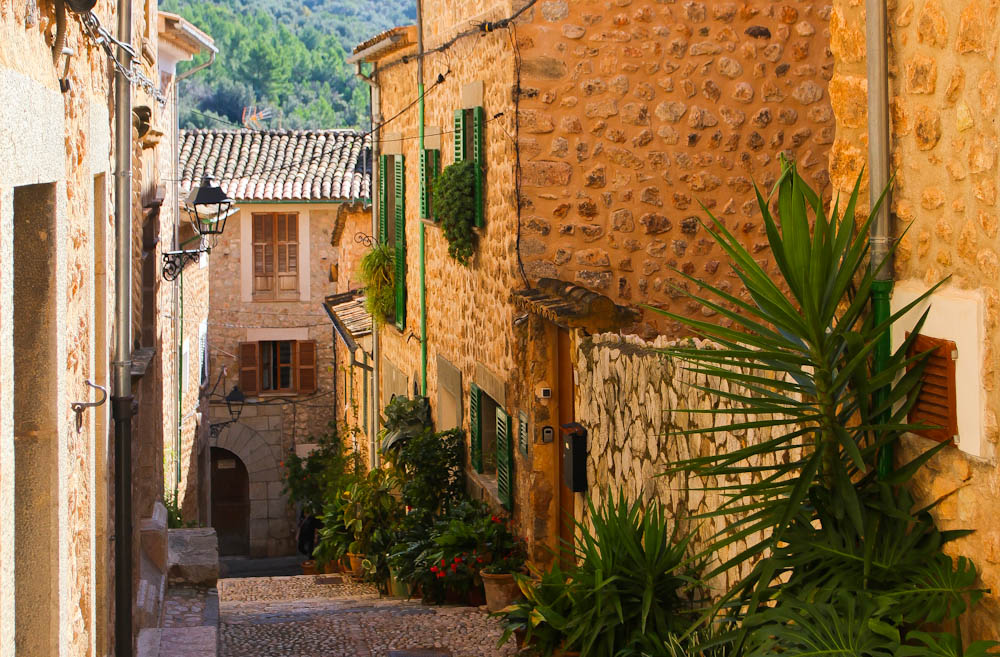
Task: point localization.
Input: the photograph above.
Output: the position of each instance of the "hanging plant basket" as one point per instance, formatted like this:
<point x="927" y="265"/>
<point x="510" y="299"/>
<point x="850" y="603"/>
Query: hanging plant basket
<point x="378" y="276"/>
<point x="455" y="207"/>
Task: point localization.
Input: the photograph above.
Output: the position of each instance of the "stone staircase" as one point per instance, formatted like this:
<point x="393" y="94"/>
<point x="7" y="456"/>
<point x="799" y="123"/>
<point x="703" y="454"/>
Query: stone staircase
<point x="190" y="610"/>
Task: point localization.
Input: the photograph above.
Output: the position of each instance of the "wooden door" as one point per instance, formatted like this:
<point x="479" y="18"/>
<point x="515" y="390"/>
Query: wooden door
<point x="230" y="502"/>
<point x="565" y="394"/>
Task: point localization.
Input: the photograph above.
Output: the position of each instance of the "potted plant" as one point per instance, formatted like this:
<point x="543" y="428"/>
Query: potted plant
<point x="334" y="537"/>
<point x="508" y="554"/>
<point x="455" y="207"/>
<point x="378" y="276"/>
<point x="371" y="514"/>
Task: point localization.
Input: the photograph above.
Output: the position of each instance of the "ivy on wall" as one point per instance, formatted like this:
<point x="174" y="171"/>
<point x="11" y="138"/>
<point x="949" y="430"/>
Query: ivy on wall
<point x="455" y="207"/>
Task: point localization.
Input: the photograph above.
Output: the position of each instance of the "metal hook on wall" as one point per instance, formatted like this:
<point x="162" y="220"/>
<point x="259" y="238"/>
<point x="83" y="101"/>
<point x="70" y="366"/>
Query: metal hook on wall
<point x="80" y="407"/>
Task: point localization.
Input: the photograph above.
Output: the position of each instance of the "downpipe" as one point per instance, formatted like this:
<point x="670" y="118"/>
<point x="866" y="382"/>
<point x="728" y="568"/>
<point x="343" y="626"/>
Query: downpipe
<point x="121" y="400"/>
<point x="423" y="228"/>
<point x="376" y="118"/>
<point x="878" y="172"/>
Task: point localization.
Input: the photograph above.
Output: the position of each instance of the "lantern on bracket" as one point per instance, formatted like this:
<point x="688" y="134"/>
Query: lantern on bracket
<point x="208" y="207"/>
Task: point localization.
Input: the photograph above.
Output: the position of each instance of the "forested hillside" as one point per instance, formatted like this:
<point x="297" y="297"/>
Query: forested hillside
<point x="287" y="56"/>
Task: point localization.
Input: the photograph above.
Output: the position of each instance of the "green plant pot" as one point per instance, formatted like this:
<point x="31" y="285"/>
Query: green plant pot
<point x="398" y="589"/>
<point x="501" y="590"/>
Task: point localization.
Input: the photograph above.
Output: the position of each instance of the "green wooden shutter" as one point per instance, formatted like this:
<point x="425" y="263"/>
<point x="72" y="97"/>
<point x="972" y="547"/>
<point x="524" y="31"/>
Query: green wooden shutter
<point x="424" y="192"/>
<point x="400" y="219"/>
<point x="475" y="428"/>
<point x="459" y="135"/>
<point x="479" y="156"/>
<point x="383" y="199"/>
<point x="505" y="461"/>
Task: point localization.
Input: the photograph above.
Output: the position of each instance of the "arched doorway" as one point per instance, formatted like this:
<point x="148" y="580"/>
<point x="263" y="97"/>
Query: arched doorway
<point x="230" y="502"/>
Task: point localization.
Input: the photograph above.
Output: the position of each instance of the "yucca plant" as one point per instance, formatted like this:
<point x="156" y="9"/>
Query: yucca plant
<point x="796" y="360"/>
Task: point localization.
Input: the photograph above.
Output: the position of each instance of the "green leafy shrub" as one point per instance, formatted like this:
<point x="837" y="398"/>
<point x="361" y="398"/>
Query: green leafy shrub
<point x="371" y="512"/>
<point x="632" y="586"/>
<point x="455" y="208"/>
<point x="334" y="536"/>
<point x="312" y="480"/>
<point x="847" y="565"/>
<point x="404" y="418"/>
<point x="378" y="277"/>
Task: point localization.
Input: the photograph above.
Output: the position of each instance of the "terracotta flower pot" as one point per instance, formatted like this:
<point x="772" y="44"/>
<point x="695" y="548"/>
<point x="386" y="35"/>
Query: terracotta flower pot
<point x="501" y="590"/>
<point x="357" y="570"/>
<point x="331" y="567"/>
<point x="309" y="567"/>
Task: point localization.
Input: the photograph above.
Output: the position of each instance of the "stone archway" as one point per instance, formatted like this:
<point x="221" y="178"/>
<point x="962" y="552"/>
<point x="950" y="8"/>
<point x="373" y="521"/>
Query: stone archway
<point x="270" y="525"/>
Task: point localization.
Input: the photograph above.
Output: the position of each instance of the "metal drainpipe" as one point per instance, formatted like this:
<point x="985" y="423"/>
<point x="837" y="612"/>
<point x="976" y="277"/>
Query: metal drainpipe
<point x="423" y="262"/>
<point x="121" y="406"/>
<point x="878" y="172"/>
<point x="376" y="119"/>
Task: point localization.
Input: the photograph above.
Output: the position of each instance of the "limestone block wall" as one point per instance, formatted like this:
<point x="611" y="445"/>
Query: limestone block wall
<point x="634" y="113"/>
<point x="628" y="396"/>
<point x="944" y="98"/>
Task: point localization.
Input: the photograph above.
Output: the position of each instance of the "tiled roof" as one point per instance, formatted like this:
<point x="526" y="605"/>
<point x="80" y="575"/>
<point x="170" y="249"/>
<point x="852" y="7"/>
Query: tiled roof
<point x="278" y="165"/>
<point x="390" y="41"/>
<point x="349" y="317"/>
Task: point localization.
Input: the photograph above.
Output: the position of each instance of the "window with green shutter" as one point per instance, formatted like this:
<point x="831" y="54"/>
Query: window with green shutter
<point x="475" y="426"/>
<point x="470" y="141"/>
<point x="383" y="199"/>
<point x="399" y="207"/>
<point x="505" y="460"/>
<point x="430" y="167"/>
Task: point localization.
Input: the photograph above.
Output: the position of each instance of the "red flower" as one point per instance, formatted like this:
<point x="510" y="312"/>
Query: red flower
<point x="434" y="569"/>
<point x="495" y="519"/>
<point x="443" y="563"/>
<point x="440" y="575"/>
<point x="454" y="568"/>
<point x="480" y="560"/>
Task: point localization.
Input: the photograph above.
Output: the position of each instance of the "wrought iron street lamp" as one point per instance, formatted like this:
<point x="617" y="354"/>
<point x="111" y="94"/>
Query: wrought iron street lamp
<point x="234" y="404"/>
<point x="208" y="207"/>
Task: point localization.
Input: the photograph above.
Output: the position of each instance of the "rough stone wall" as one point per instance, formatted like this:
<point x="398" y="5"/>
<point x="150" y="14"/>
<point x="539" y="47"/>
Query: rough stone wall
<point x="49" y="136"/>
<point x="943" y="101"/>
<point x="628" y="396"/>
<point x="469" y="310"/>
<point x="635" y="112"/>
<point x="282" y="422"/>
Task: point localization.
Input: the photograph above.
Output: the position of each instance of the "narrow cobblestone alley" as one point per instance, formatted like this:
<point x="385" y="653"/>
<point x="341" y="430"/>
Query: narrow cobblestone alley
<point x="303" y="617"/>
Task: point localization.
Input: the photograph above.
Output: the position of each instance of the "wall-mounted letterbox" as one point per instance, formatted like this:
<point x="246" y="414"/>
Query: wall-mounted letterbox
<point x="574" y="456"/>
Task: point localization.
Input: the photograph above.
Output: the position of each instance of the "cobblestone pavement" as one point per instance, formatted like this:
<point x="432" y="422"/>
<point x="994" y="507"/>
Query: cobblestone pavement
<point x="302" y="617"/>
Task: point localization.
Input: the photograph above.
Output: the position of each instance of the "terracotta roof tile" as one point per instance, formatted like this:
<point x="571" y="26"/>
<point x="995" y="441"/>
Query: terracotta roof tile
<point x="278" y="165"/>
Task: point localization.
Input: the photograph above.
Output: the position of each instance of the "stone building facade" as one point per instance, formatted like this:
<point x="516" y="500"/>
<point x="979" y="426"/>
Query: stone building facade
<point x="943" y="101"/>
<point x="604" y="127"/>
<point x="57" y="328"/>
<point x="266" y="331"/>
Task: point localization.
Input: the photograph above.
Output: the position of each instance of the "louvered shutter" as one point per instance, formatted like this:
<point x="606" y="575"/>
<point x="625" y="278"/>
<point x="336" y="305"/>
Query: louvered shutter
<point x="475" y="428"/>
<point x="400" y="219"/>
<point x="459" y="135"/>
<point x="430" y="164"/>
<point x="522" y="432"/>
<point x="479" y="156"/>
<point x="249" y="368"/>
<point x="383" y="199"/>
<point x="505" y="461"/>
<point x="936" y="404"/>
<point x="306" y="367"/>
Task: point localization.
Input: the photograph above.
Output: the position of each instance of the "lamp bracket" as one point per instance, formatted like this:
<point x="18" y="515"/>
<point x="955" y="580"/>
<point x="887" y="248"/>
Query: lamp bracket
<point x="174" y="261"/>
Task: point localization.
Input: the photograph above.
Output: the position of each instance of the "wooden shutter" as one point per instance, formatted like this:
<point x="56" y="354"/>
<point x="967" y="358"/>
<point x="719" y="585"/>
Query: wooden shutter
<point x="479" y="156"/>
<point x="429" y="167"/>
<point x="383" y="199"/>
<point x="505" y="461"/>
<point x="475" y="428"/>
<point x="522" y="432"/>
<point x="306" y="367"/>
<point x="459" y="135"/>
<point x="250" y="368"/>
<point x="286" y="246"/>
<point x="400" y="219"/>
<point x="936" y="401"/>
<point x="263" y="253"/>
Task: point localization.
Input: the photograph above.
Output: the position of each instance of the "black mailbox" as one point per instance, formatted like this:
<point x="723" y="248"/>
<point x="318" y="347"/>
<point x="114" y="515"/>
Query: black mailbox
<point x="574" y="455"/>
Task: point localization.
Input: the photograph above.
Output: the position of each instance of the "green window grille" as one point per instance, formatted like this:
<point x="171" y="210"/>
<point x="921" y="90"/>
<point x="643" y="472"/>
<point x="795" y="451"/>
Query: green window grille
<point x="430" y="167"/>
<point x="383" y="199"/>
<point x="400" y="218"/>
<point x="505" y="461"/>
<point x="475" y="427"/>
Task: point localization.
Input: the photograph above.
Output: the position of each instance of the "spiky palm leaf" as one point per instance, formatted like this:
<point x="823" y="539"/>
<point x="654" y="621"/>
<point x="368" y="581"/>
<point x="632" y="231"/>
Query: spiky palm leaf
<point x="797" y="358"/>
